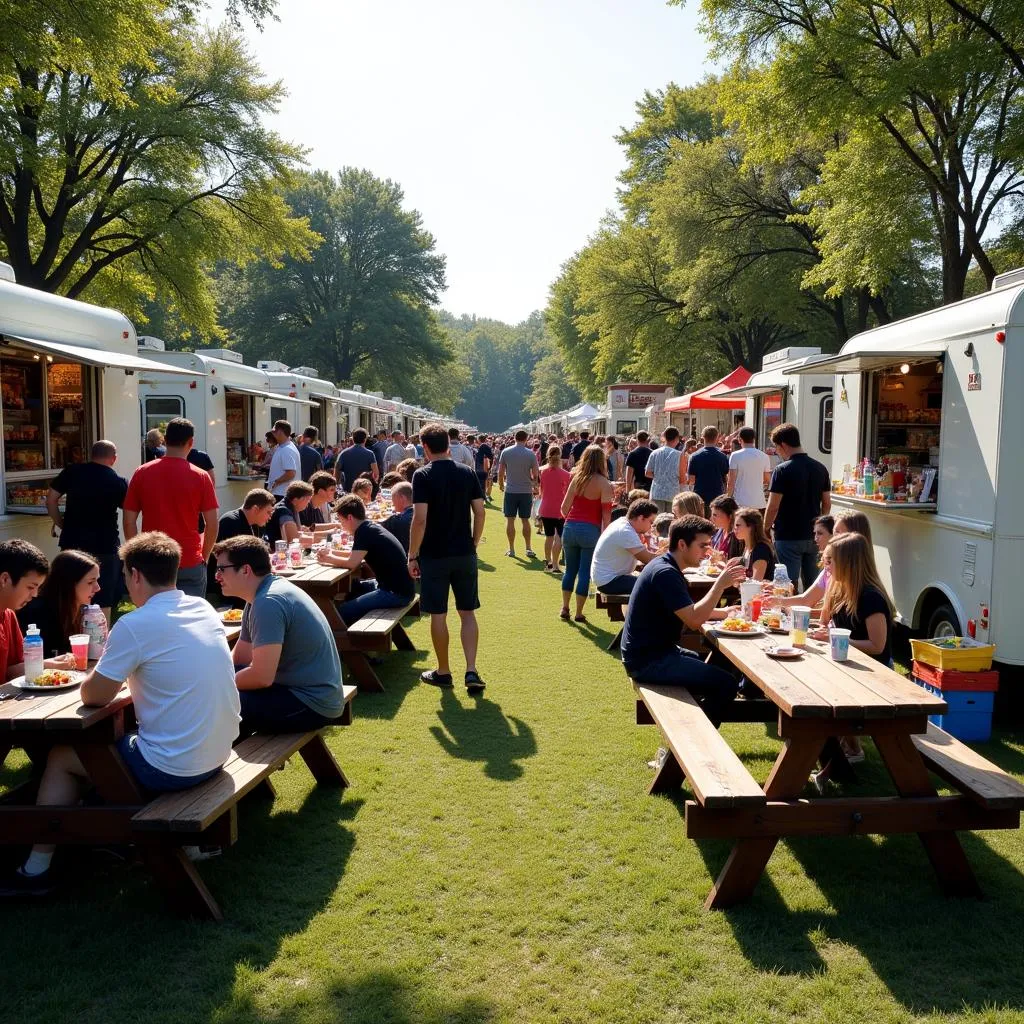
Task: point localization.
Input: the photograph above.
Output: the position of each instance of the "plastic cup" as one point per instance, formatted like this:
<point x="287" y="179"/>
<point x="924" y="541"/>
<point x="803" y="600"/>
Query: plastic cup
<point x="749" y="589"/>
<point x="839" y="643"/>
<point x="801" y="622"/>
<point x="80" y="649"/>
<point x="755" y="610"/>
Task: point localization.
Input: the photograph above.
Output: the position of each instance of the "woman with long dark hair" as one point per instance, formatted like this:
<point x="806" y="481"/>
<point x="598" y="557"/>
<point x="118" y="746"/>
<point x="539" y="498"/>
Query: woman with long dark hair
<point x="73" y="581"/>
<point x="758" y="553"/>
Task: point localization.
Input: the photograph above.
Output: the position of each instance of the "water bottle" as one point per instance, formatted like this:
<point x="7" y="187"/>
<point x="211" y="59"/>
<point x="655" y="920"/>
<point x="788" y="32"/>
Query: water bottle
<point x="781" y="584"/>
<point x="33" y="654"/>
<point x="94" y="623"/>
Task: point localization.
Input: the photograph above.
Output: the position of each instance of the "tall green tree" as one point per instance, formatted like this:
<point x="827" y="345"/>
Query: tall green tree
<point x="129" y="194"/>
<point x="550" y="388"/>
<point x="360" y="307"/>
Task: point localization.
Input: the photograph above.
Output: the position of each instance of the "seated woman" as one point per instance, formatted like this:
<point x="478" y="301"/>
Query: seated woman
<point x="725" y="544"/>
<point x="688" y="503"/>
<point x="814" y="594"/>
<point x="73" y="581"/>
<point x="287" y="514"/>
<point x="758" y="553"/>
<point x="407" y="467"/>
<point x="362" y="488"/>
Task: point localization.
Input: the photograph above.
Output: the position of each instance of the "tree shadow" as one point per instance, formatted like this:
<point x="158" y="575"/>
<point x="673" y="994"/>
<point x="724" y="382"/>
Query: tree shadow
<point x="481" y="732"/>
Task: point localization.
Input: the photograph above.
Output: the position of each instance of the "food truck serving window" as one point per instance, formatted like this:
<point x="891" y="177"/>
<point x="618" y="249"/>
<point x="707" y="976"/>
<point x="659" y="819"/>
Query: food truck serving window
<point x="47" y="412"/>
<point x="159" y="410"/>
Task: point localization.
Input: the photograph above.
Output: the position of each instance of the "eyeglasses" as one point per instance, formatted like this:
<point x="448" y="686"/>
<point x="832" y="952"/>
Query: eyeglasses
<point x="221" y="569"/>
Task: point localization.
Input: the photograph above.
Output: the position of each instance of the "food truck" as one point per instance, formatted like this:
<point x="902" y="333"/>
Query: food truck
<point x="927" y="432"/>
<point x="69" y="376"/>
<point x="307" y="399"/>
<point x="773" y="396"/>
<point x="231" y="405"/>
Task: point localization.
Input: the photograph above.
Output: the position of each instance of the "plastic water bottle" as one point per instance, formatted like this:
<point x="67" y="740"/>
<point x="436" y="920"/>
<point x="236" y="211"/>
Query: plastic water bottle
<point x="94" y="623"/>
<point x="782" y="586"/>
<point x="33" y="654"/>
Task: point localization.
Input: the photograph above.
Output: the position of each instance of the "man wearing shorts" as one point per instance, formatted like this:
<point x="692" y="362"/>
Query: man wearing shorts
<point x="442" y="551"/>
<point x="518" y="476"/>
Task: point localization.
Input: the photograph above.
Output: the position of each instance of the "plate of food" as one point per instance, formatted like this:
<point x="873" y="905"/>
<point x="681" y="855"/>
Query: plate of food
<point x="51" y="680"/>
<point x="231" y="617"/>
<point x="783" y="652"/>
<point x="738" y="627"/>
<point x="772" y="621"/>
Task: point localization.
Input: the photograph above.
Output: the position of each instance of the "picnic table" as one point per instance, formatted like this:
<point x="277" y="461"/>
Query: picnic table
<point x="817" y="700"/>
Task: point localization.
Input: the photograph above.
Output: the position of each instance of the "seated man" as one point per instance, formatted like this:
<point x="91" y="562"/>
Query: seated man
<point x="315" y="518"/>
<point x="175" y="658"/>
<point x="660" y="606"/>
<point x="399" y="524"/>
<point x="286" y="661"/>
<point x="284" y="519"/>
<point x="249" y="520"/>
<point x="621" y="546"/>
<point x="393" y="586"/>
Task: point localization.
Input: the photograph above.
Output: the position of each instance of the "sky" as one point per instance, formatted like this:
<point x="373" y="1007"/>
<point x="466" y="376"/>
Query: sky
<point x="497" y="119"/>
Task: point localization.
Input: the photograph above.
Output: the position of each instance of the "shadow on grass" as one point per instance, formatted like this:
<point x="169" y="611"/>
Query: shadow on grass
<point x="481" y="732"/>
<point x="379" y="997"/>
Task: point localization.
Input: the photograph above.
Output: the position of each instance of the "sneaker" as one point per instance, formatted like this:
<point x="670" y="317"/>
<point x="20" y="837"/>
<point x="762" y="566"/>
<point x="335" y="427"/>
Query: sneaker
<point x="197" y="853"/>
<point x="510" y="553"/>
<point x="819" y="780"/>
<point x="17" y="883"/>
<point x="435" y="678"/>
<point x="659" y="759"/>
<point x="474" y="684"/>
<point x="530" y="554"/>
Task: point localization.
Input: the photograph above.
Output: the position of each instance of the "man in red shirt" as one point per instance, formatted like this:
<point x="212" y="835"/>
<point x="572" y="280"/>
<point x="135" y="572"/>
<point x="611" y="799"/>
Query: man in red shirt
<point x="23" y="567"/>
<point x="171" y="494"/>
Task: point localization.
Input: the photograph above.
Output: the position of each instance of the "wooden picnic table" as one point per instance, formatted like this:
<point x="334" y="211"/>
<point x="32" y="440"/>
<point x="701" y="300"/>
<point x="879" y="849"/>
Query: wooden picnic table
<point x="819" y="699"/>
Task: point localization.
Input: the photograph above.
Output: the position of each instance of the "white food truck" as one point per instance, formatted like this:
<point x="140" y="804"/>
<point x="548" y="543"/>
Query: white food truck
<point x="70" y="375"/>
<point x="773" y="396"/>
<point x="307" y="399"/>
<point x="936" y="396"/>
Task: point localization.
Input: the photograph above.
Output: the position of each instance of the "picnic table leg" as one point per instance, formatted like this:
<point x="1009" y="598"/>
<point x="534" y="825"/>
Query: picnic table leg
<point x="320" y="761"/>
<point x="401" y="639"/>
<point x="669" y="776"/>
<point x="186" y="891"/>
<point x="616" y="642"/>
<point x="356" y="661"/>
<point x="911" y="779"/>
<point x="749" y="857"/>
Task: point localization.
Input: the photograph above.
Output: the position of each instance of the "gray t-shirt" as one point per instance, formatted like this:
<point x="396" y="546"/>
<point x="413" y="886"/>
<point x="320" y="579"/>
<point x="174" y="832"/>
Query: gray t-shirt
<point x="518" y="461"/>
<point x="282" y="614"/>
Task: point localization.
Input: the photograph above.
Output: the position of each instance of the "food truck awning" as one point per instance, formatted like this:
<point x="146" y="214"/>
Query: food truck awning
<point x="714" y="396"/>
<point x="865" y="361"/>
<point x="581" y="414"/>
<point x="99" y="357"/>
<point x="327" y="397"/>
<point x="266" y="394"/>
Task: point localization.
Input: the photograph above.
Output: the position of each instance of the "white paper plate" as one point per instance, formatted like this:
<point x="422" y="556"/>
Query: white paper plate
<point x="31" y="687"/>
<point x="753" y="631"/>
<point x="784" y="653"/>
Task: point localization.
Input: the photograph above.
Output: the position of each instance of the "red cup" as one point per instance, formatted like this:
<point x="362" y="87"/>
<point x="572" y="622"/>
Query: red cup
<point x="755" y="609"/>
<point x="80" y="649"/>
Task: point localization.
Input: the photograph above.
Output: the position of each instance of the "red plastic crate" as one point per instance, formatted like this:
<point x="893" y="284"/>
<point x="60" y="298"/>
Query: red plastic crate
<point x="950" y="679"/>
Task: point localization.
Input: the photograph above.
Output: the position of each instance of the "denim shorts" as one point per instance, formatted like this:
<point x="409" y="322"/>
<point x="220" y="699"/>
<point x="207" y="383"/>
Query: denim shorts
<point x="517" y="505"/>
<point x="153" y="778"/>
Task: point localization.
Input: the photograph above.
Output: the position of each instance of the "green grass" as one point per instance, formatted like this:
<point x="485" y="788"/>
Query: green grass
<point x="498" y="860"/>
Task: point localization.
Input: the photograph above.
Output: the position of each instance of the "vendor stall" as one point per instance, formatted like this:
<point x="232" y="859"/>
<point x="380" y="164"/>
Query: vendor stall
<point x="710" y="406"/>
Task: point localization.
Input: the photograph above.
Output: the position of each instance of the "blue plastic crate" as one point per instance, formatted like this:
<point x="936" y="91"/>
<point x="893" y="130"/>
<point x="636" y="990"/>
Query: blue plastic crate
<point x="963" y="701"/>
<point x="970" y="712"/>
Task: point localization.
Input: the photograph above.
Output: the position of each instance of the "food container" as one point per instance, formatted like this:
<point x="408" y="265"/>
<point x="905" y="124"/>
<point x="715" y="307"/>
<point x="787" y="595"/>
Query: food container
<point x="960" y="652"/>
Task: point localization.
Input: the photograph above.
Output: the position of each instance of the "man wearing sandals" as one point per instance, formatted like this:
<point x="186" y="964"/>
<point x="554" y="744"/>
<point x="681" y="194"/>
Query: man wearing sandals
<point x="442" y="551"/>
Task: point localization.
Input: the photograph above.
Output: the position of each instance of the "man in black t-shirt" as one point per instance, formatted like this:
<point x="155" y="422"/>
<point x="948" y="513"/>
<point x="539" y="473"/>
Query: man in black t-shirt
<point x="354" y="461"/>
<point x="248" y="520"/>
<point x="580" y="446"/>
<point x="484" y="456"/>
<point x="567" y="446"/>
<point x="799" y="492"/>
<point x="636" y="462"/>
<point x="89" y="523"/>
<point x="201" y="460"/>
<point x="310" y="460"/>
<point x="442" y="551"/>
<point x="392" y="586"/>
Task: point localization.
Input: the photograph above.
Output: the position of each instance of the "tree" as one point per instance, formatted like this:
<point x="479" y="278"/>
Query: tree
<point x="359" y="308"/>
<point x="550" y="389"/>
<point x="132" y="195"/>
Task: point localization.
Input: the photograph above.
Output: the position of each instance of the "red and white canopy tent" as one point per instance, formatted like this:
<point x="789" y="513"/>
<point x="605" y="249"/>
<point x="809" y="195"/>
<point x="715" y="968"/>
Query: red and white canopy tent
<point x="709" y="405"/>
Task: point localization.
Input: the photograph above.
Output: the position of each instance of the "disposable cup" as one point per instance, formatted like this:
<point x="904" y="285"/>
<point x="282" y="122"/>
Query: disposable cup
<point x="748" y="591"/>
<point x="801" y="621"/>
<point x="80" y="649"/>
<point x="839" y="643"/>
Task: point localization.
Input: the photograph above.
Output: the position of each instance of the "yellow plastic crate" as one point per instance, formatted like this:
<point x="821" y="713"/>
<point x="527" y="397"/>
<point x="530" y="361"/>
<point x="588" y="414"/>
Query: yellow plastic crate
<point x="956" y="652"/>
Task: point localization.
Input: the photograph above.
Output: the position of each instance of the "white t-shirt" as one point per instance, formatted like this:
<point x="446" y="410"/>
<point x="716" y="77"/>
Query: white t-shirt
<point x="612" y="556"/>
<point x="460" y="453"/>
<point x="175" y="656"/>
<point x="397" y="453"/>
<point x="284" y="457"/>
<point x="750" y="465"/>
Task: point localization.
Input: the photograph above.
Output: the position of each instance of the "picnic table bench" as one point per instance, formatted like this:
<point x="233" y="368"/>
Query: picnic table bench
<point x="818" y="699"/>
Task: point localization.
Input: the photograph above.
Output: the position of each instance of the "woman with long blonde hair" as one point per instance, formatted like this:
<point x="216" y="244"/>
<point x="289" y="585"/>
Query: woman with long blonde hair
<point x="587" y="508"/>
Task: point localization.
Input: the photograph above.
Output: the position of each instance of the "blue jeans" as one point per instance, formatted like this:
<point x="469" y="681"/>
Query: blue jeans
<point x="578" y="543"/>
<point x="713" y="687"/>
<point x="153" y="779"/>
<point x="193" y="581"/>
<point x="276" y="709"/>
<point x="619" y="585"/>
<point x="368" y="596"/>
<point x="800" y="557"/>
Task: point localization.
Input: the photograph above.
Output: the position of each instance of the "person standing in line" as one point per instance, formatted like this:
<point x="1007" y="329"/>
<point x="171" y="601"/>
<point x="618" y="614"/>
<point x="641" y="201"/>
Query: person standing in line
<point x="310" y="460"/>
<point x="518" y="476"/>
<point x="398" y="451"/>
<point x="708" y="469"/>
<point x="170" y="494"/>
<point x="442" y="551"/>
<point x="636" y="461"/>
<point x="154" y="444"/>
<point x="800" y="490"/>
<point x="201" y="460"/>
<point x="666" y="469"/>
<point x="567" y="446"/>
<point x="611" y="451"/>
<point x="379" y="447"/>
<point x="554" y="482"/>
<point x="750" y="471"/>
<point x="459" y="452"/>
<point x="580" y="446"/>
<point x="285" y="463"/>
<point x="89" y="522"/>
<point x="483" y="455"/>
<point x="354" y="461"/>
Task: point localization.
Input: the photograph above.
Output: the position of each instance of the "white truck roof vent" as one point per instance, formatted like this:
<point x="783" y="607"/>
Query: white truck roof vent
<point x="7" y="273"/>
<point x="357" y="387"/>
<point x="229" y="355"/>
<point x="1010" y="277"/>
<point x="271" y="366"/>
<point x="150" y="344"/>
<point x="305" y="371"/>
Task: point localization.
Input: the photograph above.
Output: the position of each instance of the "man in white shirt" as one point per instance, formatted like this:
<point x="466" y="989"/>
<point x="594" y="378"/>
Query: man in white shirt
<point x="666" y="469"/>
<point x="173" y="653"/>
<point x="621" y="546"/>
<point x="750" y="471"/>
<point x="459" y="452"/>
<point x="285" y="463"/>
<point x="398" y="451"/>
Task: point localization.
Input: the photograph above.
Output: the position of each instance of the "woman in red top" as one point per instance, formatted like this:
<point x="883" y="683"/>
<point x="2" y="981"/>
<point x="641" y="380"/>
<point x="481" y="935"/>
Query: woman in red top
<point x="554" y="482"/>
<point x="587" y="507"/>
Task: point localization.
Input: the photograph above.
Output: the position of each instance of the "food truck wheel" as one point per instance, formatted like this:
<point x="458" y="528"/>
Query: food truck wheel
<point x="943" y="622"/>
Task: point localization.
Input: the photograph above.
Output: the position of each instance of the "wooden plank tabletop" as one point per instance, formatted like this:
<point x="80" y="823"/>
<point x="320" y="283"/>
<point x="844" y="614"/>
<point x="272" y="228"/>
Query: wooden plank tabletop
<point x="64" y="710"/>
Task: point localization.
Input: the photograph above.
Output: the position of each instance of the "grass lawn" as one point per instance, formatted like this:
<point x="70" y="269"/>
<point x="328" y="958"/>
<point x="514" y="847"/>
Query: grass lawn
<point x="496" y="859"/>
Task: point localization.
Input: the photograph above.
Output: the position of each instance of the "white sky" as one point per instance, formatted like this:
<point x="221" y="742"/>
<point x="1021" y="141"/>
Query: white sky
<point x="497" y="119"/>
